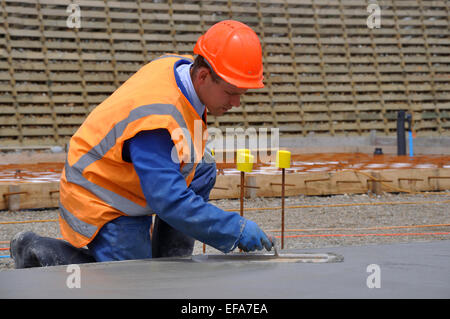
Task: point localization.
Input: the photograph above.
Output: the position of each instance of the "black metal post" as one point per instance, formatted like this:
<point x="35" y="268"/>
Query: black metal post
<point x="401" y="137"/>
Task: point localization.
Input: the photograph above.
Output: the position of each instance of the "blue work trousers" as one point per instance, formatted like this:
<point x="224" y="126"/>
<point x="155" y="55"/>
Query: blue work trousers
<point x="127" y="237"/>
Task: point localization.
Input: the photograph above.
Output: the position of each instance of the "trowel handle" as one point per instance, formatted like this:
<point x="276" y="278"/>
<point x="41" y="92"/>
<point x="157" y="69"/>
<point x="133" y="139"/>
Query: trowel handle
<point x="274" y="245"/>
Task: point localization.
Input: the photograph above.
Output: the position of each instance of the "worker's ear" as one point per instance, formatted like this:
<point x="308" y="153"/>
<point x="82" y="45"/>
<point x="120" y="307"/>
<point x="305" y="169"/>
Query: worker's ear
<point x="201" y="75"/>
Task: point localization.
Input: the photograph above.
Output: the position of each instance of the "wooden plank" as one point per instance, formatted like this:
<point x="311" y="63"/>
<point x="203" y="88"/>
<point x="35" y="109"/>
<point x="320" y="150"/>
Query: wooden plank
<point x="7" y="110"/>
<point x="45" y="195"/>
<point x="7" y="131"/>
<point x="341" y="182"/>
<point x="226" y="187"/>
<point x="37" y="131"/>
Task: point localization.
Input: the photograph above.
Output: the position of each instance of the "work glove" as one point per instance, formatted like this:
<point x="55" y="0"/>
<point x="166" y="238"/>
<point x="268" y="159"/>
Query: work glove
<point x="253" y="238"/>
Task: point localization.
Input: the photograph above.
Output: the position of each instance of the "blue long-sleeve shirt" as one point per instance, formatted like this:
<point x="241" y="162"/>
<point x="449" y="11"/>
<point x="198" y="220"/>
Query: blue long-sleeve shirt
<point x="167" y="194"/>
<point x="165" y="188"/>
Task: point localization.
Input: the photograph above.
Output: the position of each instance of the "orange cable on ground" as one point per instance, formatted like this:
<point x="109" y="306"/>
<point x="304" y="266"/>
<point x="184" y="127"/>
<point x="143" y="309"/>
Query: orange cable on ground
<point x="29" y="221"/>
<point x="279" y="207"/>
<point x="360" y="228"/>
<point x="362" y="235"/>
<point x="343" y="205"/>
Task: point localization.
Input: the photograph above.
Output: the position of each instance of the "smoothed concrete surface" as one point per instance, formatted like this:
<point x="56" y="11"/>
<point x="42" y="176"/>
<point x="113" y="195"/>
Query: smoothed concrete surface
<point x="409" y="270"/>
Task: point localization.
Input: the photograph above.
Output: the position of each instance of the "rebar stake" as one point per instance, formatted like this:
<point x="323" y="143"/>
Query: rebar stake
<point x="244" y="163"/>
<point x="283" y="161"/>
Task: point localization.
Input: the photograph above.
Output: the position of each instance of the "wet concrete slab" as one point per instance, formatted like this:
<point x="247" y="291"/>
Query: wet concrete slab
<point x="409" y="270"/>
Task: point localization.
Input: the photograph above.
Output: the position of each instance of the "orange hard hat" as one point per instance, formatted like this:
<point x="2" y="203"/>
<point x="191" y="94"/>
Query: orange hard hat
<point x="234" y="52"/>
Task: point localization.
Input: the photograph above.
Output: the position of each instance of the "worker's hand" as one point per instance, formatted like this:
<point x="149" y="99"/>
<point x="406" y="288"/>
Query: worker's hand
<point x="253" y="238"/>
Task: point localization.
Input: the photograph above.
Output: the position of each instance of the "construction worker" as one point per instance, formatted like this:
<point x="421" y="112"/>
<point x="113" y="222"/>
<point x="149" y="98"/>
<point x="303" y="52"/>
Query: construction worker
<point x="142" y="152"/>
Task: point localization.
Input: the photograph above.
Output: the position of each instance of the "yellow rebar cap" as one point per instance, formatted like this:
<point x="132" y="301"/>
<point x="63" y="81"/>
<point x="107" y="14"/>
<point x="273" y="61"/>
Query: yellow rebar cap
<point x="283" y="159"/>
<point x="243" y="150"/>
<point x="244" y="160"/>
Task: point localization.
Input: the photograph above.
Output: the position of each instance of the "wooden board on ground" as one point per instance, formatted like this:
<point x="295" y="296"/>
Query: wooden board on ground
<point x="17" y="196"/>
<point x="28" y="195"/>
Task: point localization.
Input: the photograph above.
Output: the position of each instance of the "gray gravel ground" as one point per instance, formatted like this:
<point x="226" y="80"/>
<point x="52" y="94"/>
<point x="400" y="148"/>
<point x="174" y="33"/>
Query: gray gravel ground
<point x="376" y="212"/>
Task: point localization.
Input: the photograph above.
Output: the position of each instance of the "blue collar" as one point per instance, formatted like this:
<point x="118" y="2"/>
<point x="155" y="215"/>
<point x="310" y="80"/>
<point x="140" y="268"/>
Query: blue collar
<point x="184" y="82"/>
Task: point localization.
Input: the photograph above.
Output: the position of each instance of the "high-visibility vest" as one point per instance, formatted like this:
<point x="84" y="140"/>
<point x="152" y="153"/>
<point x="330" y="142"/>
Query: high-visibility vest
<point x="97" y="185"/>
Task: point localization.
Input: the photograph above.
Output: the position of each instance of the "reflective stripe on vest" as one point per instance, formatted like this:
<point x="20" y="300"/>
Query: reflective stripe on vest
<point x="76" y="224"/>
<point x="74" y="173"/>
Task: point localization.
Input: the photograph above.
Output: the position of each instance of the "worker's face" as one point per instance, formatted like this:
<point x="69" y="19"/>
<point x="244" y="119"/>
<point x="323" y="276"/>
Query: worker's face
<point x="218" y="97"/>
